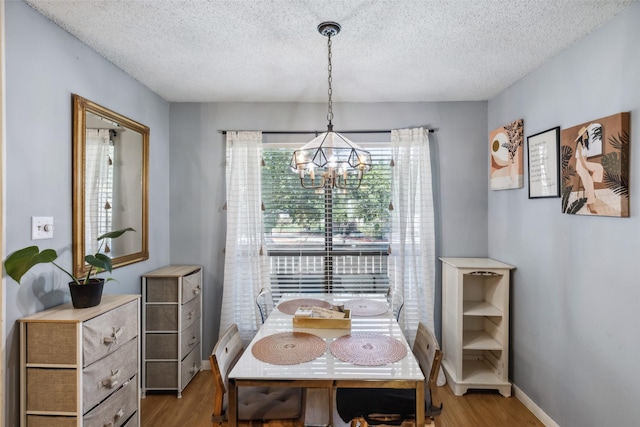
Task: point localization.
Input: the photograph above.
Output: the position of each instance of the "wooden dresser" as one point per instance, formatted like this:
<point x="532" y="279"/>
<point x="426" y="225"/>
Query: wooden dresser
<point x="79" y="367"/>
<point x="171" y="327"/>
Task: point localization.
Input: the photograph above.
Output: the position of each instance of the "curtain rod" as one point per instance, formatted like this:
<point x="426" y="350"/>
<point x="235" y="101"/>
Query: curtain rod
<point x="317" y="132"/>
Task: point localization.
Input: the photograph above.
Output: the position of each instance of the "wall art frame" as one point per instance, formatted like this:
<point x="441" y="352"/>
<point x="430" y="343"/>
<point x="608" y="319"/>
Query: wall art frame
<point x="543" y="152"/>
<point x="594" y="160"/>
<point x="506" y="157"/>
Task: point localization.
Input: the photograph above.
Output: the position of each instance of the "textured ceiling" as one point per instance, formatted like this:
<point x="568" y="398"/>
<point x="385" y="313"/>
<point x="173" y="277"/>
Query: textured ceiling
<point x="266" y="50"/>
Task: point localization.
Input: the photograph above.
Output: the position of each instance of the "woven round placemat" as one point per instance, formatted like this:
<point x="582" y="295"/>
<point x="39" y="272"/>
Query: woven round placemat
<point x="290" y="307"/>
<point x="366" y="307"/>
<point x="289" y="348"/>
<point x="368" y="349"/>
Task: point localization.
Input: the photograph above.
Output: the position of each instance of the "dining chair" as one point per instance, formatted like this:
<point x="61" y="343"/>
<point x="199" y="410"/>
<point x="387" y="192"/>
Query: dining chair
<point x="396" y="302"/>
<point x="264" y="301"/>
<point x="386" y="407"/>
<point x="257" y="406"/>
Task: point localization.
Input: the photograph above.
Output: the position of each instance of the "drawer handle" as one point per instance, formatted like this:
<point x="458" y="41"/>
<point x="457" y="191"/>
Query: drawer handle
<point x="113" y="337"/>
<point x="194" y="369"/>
<point x="190" y="315"/>
<point x="119" y="414"/>
<point x="196" y="290"/>
<point x="111" y="381"/>
<point x="192" y="341"/>
<point x="116" y="417"/>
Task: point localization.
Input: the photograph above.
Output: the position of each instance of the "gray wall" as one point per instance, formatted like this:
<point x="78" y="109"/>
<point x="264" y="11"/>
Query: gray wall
<point x="575" y="291"/>
<point x="198" y="181"/>
<point x="44" y="66"/>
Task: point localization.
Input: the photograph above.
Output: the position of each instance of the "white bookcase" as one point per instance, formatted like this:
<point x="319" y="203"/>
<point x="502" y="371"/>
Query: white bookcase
<point x="475" y="324"/>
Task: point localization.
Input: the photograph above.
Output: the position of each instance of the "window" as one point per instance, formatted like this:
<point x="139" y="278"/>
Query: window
<point x="327" y="240"/>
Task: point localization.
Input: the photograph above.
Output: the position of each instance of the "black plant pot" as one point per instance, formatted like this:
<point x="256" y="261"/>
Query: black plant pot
<point x="85" y="296"/>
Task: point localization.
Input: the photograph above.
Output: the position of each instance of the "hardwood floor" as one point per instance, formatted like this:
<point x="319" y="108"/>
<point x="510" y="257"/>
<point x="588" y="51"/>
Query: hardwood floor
<point x="474" y="409"/>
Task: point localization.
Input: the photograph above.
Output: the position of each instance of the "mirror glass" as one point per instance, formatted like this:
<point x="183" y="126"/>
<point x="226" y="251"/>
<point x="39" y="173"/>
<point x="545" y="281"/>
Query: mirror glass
<point x="110" y="164"/>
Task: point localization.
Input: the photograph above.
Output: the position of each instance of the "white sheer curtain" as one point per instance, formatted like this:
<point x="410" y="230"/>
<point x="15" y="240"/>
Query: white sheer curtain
<point x="412" y="246"/>
<point x="246" y="265"/>
<point x="97" y="188"/>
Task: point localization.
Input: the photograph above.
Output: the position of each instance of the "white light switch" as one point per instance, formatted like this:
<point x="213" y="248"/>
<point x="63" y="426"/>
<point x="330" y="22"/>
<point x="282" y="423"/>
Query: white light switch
<point x="41" y="227"/>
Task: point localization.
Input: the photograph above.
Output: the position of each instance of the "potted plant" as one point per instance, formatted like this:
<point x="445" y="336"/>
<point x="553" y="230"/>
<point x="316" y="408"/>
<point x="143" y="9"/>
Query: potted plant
<point x="86" y="291"/>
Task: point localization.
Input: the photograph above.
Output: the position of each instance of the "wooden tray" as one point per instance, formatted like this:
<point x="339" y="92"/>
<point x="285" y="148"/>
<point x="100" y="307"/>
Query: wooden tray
<point x="318" y="323"/>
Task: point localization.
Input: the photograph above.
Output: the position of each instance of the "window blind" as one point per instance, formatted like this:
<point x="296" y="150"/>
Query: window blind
<point x="326" y="240"/>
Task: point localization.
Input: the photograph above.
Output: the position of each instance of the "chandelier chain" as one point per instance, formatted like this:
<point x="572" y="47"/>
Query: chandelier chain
<point x="330" y="90"/>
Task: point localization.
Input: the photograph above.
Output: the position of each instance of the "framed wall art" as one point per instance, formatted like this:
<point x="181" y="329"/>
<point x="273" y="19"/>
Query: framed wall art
<point x="506" y="170"/>
<point x="544" y="171"/>
<point x="594" y="160"/>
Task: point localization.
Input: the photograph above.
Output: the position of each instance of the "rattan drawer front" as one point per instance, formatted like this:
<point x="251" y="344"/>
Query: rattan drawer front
<point x="106" y="375"/>
<point x="50" y="389"/>
<point x="50" y="421"/>
<point x="162" y="289"/>
<point x="190" y="313"/>
<point x="116" y="409"/>
<point x="190" y="338"/>
<point x="190" y="366"/>
<point x="161" y="375"/>
<point x="191" y="286"/>
<point x="161" y="346"/>
<point x="53" y="343"/>
<point x="108" y="332"/>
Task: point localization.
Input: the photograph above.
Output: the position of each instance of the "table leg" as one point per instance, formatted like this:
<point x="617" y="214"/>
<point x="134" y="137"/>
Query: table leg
<point x="419" y="404"/>
<point x="232" y="410"/>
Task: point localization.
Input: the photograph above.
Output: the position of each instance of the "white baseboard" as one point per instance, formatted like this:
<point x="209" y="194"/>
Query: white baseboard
<point x="535" y="409"/>
<point x="205" y="365"/>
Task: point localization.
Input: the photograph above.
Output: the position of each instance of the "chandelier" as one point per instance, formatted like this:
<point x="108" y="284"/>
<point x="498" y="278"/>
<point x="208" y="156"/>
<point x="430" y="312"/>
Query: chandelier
<point x="330" y="160"/>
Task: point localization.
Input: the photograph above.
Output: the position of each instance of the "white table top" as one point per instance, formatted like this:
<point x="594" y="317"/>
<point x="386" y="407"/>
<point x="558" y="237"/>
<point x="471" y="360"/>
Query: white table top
<point x="328" y="367"/>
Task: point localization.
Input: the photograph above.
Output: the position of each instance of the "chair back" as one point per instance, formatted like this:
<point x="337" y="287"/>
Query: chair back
<point x="264" y="301"/>
<point x="396" y="302"/>
<point x="224" y="356"/>
<point x="427" y="351"/>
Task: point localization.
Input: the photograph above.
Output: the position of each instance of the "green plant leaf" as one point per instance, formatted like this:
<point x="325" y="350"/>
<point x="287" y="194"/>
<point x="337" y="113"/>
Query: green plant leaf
<point x="19" y="262"/>
<point x="114" y="234"/>
<point x="100" y="261"/>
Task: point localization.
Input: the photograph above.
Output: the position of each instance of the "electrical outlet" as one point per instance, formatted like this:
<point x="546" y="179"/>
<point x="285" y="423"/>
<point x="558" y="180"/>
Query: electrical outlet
<point x="41" y="227"/>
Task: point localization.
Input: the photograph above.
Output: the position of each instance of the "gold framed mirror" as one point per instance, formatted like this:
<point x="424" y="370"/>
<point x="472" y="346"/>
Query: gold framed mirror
<point x="110" y="173"/>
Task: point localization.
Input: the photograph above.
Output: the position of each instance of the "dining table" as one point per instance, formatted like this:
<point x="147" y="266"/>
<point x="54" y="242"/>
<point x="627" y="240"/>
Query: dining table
<point x="372" y="353"/>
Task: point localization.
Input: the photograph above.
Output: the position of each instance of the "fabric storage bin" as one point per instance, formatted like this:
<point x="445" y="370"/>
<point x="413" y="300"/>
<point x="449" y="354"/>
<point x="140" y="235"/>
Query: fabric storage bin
<point x="191" y="286"/>
<point x="50" y="421"/>
<point x="191" y="366"/>
<point x="132" y="422"/>
<point x="190" y="338"/>
<point x="51" y="342"/>
<point x="51" y="389"/>
<point x="162" y="289"/>
<point x="109" y="331"/>
<point x="106" y="375"/>
<point x="161" y="375"/>
<point x="161" y="317"/>
<point x="190" y="313"/>
<point x="117" y="409"/>
<point x="161" y="346"/>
